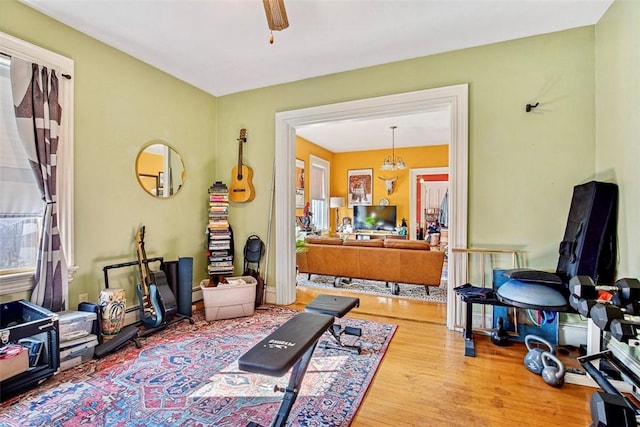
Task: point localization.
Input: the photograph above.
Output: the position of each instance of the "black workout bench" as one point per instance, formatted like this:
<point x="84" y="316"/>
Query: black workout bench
<point x="336" y="306"/>
<point x="291" y="345"/>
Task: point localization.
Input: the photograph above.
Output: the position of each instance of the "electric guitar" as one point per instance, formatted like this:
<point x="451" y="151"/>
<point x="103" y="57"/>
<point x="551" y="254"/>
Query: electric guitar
<point x="150" y="305"/>
<point x="241" y="189"/>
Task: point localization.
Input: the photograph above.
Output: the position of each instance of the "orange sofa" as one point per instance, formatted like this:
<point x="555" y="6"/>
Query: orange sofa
<point x="388" y="260"/>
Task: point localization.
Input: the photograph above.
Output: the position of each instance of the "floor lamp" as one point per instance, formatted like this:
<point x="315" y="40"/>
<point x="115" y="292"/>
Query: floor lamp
<point x="336" y="202"/>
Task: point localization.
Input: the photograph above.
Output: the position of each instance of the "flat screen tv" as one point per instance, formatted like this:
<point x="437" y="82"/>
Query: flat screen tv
<point x="374" y="218"/>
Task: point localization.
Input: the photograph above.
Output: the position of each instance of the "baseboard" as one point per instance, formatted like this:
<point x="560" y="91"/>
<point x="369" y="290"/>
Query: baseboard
<point x="270" y="297"/>
<point x="196" y="294"/>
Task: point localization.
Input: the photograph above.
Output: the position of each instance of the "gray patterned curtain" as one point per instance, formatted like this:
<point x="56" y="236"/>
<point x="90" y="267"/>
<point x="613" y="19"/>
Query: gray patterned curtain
<point x="35" y="96"/>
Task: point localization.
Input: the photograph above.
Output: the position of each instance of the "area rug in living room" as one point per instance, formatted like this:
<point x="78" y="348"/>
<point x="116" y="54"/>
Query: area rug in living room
<point x="376" y="287"/>
<point x="187" y="375"/>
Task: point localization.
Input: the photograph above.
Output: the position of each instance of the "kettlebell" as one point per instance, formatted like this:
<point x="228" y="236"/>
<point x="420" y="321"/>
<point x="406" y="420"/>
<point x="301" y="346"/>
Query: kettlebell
<point x="499" y="336"/>
<point x="553" y="371"/>
<point x="533" y="359"/>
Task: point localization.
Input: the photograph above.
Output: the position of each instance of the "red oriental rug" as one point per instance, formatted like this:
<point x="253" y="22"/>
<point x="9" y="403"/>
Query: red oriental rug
<point x="187" y="375"/>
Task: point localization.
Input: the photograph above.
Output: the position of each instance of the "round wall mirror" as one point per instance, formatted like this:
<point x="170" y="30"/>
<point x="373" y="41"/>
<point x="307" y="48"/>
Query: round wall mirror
<point x="159" y="169"/>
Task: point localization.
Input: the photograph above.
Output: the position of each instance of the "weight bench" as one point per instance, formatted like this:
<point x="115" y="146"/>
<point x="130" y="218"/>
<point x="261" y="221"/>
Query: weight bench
<point x="291" y="345"/>
<point x="336" y="306"/>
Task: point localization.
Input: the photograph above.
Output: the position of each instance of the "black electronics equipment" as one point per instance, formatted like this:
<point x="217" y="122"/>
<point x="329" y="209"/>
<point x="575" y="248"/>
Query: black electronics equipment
<point x="375" y="218"/>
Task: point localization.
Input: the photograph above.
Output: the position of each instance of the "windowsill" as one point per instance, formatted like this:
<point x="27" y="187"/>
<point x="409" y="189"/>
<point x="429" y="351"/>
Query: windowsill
<point x="23" y="282"/>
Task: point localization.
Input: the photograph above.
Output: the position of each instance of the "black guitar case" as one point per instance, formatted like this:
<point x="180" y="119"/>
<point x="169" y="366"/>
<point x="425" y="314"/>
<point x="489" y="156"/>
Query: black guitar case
<point x="165" y="294"/>
<point x="589" y="246"/>
<point x="253" y="252"/>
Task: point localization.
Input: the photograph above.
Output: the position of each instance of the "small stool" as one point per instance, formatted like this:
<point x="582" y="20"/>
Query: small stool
<point x="336" y="306"/>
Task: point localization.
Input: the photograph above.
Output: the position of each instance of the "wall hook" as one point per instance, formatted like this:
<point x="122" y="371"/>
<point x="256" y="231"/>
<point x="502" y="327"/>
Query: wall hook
<point x="530" y="107"/>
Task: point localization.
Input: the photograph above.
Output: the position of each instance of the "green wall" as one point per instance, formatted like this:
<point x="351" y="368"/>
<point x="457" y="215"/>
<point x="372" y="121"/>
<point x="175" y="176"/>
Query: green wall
<point x="618" y="114"/>
<point x="523" y="166"/>
<point x="121" y="104"/>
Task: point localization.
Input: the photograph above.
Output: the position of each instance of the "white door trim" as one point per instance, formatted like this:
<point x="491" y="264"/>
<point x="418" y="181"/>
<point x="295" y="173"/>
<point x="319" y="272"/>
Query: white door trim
<point x="454" y="97"/>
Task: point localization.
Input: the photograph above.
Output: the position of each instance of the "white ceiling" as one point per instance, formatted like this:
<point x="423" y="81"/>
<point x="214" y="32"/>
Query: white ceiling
<point x="222" y="47"/>
<point x="414" y="130"/>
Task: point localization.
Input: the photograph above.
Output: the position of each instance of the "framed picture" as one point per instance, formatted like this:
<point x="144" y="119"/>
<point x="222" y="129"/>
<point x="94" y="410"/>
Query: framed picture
<point x="360" y="187"/>
<point x="299" y="183"/>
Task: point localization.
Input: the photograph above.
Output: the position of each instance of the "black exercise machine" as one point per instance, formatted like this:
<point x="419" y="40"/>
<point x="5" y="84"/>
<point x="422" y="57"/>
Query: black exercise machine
<point x="291" y="345"/>
<point x="588" y="248"/>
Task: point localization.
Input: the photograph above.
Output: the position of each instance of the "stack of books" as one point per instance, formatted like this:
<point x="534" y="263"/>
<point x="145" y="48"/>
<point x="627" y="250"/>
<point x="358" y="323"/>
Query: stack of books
<point x="220" y="245"/>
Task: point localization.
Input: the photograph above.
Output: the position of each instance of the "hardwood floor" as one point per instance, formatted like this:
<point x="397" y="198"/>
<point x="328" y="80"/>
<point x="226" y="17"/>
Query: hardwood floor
<point x="425" y="380"/>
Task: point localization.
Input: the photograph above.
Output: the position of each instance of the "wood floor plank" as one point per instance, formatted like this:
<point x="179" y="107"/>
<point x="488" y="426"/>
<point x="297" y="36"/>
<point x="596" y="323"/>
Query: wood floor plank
<point x="425" y="379"/>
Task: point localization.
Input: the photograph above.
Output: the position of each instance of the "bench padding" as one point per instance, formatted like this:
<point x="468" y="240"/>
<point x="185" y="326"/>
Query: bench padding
<point x="278" y="352"/>
<point x="332" y="305"/>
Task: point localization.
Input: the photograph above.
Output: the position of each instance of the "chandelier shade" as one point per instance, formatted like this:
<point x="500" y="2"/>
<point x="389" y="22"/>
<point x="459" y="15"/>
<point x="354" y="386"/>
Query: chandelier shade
<point x="392" y="162"/>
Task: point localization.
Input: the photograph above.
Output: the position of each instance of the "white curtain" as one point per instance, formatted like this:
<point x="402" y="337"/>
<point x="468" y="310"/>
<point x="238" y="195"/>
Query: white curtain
<point x="317" y="183"/>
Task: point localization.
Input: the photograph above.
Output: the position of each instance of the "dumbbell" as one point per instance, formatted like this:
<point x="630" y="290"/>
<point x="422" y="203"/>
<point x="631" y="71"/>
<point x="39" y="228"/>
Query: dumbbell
<point x="625" y="289"/>
<point x="584" y="287"/>
<point x="628" y="289"/>
<point x="584" y="293"/>
<point x="584" y="306"/>
<point x="603" y="314"/>
<point x="624" y="330"/>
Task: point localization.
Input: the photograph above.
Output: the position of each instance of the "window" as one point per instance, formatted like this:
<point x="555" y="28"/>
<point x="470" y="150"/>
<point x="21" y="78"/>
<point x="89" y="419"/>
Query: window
<point x="20" y="204"/>
<point x="319" y="184"/>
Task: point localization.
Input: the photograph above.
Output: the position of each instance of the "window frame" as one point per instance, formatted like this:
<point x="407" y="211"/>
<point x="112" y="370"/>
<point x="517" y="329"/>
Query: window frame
<point x="23" y="281"/>
<point x="321" y="219"/>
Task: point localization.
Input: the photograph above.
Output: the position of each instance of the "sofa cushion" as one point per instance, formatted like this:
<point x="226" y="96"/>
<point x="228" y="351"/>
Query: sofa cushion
<point x="407" y="244"/>
<point x="321" y="240"/>
<point x="375" y="243"/>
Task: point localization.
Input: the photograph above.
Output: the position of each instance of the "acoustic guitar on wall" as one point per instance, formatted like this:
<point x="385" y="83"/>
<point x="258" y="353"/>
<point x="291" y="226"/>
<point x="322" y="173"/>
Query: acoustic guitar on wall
<point x="241" y="189"/>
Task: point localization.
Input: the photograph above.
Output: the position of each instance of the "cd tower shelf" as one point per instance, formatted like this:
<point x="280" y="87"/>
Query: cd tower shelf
<point x="219" y="233"/>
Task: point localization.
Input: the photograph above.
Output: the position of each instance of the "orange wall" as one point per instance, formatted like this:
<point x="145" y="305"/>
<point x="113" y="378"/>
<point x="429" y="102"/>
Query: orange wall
<point x="415" y="157"/>
<point x="149" y="164"/>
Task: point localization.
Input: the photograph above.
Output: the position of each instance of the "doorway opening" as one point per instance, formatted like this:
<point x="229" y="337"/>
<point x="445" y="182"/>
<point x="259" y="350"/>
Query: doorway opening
<point x="455" y="98"/>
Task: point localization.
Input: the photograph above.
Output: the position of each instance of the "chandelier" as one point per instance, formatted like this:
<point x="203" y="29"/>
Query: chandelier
<point x="276" y="16"/>
<point x="392" y="162"/>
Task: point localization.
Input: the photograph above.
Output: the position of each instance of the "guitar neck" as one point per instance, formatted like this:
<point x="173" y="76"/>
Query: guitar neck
<point x="241" y="139"/>
<point x="239" y="159"/>
<point x="145" y="273"/>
